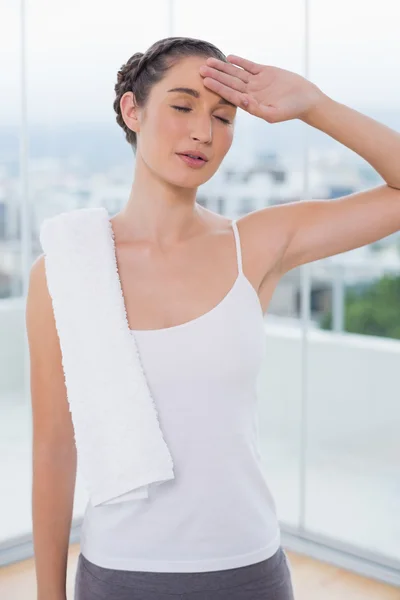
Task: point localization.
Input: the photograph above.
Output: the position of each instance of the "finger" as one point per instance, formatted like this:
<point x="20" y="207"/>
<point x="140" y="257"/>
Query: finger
<point x="227" y="80"/>
<point x="226" y="92"/>
<point x="249" y="65"/>
<point x="228" y="68"/>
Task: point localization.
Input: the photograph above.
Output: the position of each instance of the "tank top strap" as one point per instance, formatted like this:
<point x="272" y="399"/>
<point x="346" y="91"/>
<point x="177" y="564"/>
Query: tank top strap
<point x="238" y="246"/>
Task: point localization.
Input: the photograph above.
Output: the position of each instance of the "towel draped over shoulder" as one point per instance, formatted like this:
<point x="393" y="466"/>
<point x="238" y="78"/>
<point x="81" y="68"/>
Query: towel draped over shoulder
<point x="121" y="449"/>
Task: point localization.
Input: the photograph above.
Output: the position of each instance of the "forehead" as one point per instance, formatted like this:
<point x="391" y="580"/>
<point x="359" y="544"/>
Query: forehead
<point x="184" y="77"/>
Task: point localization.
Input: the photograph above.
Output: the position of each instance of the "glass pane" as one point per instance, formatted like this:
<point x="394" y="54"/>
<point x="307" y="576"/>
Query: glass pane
<point x="14" y="408"/>
<point x="353" y="473"/>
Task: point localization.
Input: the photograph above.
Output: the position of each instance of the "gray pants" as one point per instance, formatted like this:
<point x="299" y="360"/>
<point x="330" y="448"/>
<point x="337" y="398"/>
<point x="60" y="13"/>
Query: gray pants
<point x="269" y="579"/>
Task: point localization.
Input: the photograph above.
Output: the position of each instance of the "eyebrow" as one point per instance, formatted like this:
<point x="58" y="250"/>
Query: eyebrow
<point x="196" y="94"/>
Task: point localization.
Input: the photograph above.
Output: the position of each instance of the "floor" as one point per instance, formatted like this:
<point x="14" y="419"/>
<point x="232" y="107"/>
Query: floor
<point x="312" y="581"/>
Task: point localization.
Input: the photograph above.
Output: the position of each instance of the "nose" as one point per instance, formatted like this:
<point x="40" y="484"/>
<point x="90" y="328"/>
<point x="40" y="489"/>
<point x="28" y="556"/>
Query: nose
<point x="202" y="130"/>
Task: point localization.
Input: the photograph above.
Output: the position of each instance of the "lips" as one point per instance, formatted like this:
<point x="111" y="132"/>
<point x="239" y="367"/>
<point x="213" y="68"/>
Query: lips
<point x="198" y="155"/>
<point x="193" y="157"/>
<point x="194" y="163"/>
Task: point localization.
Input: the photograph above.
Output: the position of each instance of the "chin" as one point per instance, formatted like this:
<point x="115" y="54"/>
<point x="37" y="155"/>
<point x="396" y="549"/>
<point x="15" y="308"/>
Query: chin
<point x="191" y="179"/>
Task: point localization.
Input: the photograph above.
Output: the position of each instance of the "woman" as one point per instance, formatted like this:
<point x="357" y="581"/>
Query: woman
<point x="196" y="287"/>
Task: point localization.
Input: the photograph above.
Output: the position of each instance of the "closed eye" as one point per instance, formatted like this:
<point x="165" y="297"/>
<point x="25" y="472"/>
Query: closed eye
<point x="185" y="109"/>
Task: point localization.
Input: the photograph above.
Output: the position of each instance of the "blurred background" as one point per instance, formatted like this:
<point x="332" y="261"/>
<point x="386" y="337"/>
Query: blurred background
<point x="329" y="403"/>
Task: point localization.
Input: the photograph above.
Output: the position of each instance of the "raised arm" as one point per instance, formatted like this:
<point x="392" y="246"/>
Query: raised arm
<point x="53" y="444"/>
<point x="313" y="229"/>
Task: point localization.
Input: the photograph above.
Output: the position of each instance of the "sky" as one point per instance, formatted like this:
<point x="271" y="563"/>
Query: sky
<point x="74" y="48"/>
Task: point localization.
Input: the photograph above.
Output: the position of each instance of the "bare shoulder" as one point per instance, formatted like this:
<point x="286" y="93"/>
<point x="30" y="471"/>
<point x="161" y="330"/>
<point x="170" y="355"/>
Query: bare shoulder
<point x="38" y="271"/>
<point x="263" y="242"/>
<point x="37" y="281"/>
<point x="39" y="309"/>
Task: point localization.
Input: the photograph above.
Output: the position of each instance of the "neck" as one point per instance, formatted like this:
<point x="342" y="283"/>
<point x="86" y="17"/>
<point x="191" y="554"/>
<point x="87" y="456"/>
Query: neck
<point x="158" y="211"/>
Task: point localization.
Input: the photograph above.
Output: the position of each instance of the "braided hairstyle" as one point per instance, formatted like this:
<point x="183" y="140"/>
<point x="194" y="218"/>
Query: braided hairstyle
<point x="142" y="71"/>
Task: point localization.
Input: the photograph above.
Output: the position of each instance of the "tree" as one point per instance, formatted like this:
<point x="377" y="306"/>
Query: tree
<point x="372" y="309"/>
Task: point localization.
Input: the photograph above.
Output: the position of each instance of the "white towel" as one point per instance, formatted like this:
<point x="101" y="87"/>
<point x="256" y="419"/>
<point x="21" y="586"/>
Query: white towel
<point x="121" y="449"/>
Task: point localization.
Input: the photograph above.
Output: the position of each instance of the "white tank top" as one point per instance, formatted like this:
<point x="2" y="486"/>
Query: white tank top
<point x="218" y="512"/>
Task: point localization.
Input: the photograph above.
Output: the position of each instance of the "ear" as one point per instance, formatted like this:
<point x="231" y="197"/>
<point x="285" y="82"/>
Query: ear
<point x="130" y="111"/>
